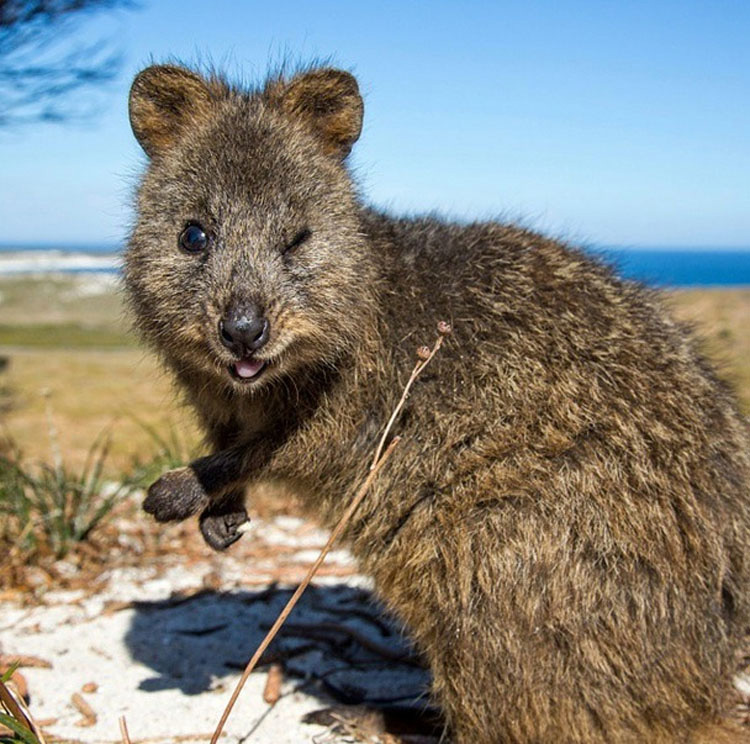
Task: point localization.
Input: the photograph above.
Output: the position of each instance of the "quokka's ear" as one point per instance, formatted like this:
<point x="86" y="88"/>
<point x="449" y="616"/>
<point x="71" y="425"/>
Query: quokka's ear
<point x="164" y="100"/>
<point x="328" y="101"/>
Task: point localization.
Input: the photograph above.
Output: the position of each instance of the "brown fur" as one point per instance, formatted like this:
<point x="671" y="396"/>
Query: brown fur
<point x="564" y="527"/>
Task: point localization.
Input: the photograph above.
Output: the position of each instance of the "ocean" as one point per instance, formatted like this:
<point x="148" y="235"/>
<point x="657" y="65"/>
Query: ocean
<point x="676" y="267"/>
<point x="657" y="266"/>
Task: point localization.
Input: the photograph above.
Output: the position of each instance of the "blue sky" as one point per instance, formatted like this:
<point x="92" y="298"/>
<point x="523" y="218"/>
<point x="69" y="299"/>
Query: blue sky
<point x="603" y="121"/>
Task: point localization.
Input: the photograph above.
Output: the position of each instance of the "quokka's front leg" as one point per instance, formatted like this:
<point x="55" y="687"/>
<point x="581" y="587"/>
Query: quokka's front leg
<point x="211" y="484"/>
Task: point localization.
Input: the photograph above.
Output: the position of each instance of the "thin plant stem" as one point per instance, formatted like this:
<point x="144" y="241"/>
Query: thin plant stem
<point x="301" y="588"/>
<point x="418" y="367"/>
<point x="124" y="731"/>
<point x="54" y="439"/>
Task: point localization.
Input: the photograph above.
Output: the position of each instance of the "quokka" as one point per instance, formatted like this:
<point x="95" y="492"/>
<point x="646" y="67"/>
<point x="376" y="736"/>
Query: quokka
<point x="563" y="529"/>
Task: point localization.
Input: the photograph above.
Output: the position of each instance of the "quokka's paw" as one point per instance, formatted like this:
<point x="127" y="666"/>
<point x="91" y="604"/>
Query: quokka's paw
<point x="222" y="528"/>
<point x="177" y="495"/>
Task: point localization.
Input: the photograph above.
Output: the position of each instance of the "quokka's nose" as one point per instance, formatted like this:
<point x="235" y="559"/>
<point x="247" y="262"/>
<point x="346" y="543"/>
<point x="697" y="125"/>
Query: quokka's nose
<point x="243" y="330"/>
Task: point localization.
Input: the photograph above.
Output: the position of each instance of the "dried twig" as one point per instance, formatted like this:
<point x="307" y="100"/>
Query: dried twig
<point x="124" y="731"/>
<point x="272" y="690"/>
<point x="88" y="713"/>
<point x="23" y="660"/>
<point x="301" y="588"/>
<point x="425" y="355"/>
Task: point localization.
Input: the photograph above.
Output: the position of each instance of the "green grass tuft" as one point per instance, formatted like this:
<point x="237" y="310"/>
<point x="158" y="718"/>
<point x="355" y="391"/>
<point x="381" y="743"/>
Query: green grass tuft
<point x="48" y="508"/>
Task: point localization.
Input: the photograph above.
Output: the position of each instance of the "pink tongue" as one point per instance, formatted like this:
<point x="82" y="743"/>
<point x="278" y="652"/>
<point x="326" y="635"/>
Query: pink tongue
<point x="248" y="367"/>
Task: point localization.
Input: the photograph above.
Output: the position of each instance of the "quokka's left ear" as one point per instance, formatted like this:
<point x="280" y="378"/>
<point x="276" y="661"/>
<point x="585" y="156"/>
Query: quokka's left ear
<point x="328" y="102"/>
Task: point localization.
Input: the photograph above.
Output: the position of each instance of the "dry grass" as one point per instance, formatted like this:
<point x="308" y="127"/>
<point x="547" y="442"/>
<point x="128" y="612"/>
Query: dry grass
<point x="722" y="317"/>
<point x="90" y="391"/>
<point x="88" y="301"/>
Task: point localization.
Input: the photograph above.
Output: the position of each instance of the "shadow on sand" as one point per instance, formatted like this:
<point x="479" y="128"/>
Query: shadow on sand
<point x="338" y="640"/>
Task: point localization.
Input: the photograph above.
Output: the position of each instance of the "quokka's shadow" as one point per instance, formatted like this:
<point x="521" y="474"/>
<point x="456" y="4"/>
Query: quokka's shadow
<point x="338" y="637"/>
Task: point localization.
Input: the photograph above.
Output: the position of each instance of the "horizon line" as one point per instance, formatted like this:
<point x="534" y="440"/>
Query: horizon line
<point x="115" y="246"/>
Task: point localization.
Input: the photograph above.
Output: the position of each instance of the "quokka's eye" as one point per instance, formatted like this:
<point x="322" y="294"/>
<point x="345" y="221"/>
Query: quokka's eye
<point x="296" y="241"/>
<point x="193" y="239"/>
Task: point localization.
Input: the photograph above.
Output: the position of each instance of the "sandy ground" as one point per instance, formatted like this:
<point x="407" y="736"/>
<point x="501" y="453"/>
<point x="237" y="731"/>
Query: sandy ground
<point x="164" y="645"/>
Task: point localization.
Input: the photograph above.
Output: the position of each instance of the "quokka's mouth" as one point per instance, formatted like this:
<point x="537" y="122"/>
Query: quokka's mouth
<point x="247" y="370"/>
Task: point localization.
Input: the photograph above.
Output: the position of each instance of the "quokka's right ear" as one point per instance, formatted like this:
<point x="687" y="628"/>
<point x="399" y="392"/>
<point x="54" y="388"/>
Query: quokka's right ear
<point x="164" y="101"/>
<point x="328" y="101"/>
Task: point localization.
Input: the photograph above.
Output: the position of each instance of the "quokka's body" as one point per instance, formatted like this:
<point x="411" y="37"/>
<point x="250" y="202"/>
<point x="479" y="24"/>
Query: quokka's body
<point x="563" y="529"/>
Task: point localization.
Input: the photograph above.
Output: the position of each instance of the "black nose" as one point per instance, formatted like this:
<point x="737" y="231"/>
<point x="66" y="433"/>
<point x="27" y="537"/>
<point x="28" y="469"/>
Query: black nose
<point x="243" y="330"/>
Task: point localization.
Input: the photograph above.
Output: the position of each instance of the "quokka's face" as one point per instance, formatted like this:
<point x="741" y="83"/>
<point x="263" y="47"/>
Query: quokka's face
<point x="245" y="262"/>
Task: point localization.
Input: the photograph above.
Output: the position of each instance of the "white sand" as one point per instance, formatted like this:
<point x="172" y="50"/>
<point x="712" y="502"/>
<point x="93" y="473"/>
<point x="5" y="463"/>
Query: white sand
<point x="163" y="664"/>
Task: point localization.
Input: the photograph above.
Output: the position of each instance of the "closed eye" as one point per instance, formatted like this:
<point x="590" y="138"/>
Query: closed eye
<point x="297" y="241"/>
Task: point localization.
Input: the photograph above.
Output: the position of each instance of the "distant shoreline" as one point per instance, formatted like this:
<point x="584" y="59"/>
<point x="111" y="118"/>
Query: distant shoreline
<point x="661" y="266"/>
<point x="88" y="248"/>
<point x="43" y="262"/>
